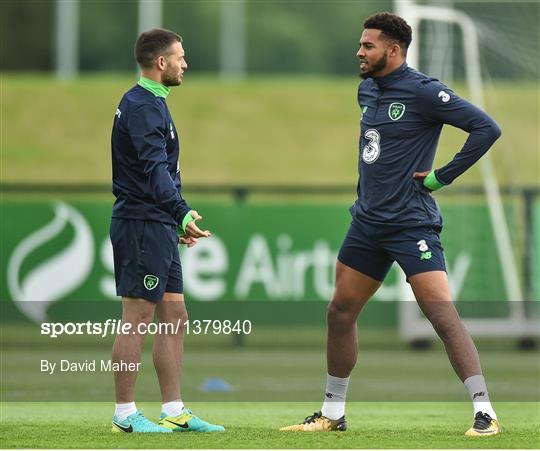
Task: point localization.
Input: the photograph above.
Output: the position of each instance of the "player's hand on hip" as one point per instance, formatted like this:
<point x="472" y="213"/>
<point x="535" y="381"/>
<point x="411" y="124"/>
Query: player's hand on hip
<point x="192" y="230"/>
<point x="188" y="241"/>
<point x="421" y="176"/>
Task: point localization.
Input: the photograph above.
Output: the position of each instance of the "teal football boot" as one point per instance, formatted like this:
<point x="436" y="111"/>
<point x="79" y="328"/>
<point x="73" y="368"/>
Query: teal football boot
<point x="137" y="423"/>
<point x="187" y="422"/>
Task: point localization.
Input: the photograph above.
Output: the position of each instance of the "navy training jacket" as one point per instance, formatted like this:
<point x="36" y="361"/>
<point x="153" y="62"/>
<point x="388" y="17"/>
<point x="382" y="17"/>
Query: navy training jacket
<point x="145" y="168"/>
<point x="402" y="117"/>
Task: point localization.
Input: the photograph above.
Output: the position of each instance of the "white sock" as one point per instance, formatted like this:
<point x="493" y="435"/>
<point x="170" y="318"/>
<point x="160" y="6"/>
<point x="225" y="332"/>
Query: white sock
<point x="476" y="386"/>
<point x="122" y="411"/>
<point x="334" y="399"/>
<point x="173" y="408"/>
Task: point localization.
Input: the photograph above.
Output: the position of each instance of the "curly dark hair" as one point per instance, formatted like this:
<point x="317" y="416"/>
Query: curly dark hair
<point x="393" y="27"/>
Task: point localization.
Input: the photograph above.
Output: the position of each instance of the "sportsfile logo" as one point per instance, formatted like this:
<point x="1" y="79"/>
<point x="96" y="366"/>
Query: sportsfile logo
<point x="113" y="327"/>
<point x="110" y="327"/>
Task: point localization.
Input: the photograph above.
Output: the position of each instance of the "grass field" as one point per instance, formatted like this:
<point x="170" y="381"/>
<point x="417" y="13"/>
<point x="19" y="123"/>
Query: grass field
<point x="400" y="398"/>
<point x="279" y="130"/>
<point x="274" y="364"/>
<point x="254" y="425"/>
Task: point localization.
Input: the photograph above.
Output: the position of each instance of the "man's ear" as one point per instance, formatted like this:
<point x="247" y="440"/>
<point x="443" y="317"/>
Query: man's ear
<point x="160" y="61"/>
<point x="395" y="49"/>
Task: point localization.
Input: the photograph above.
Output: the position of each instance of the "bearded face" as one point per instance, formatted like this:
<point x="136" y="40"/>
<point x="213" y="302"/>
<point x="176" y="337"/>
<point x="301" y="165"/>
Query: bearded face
<point x="175" y="66"/>
<point x="370" y="69"/>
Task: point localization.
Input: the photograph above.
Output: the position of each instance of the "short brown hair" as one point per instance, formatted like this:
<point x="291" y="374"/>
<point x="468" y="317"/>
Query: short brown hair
<point x="393" y="27"/>
<point x="153" y="43"/>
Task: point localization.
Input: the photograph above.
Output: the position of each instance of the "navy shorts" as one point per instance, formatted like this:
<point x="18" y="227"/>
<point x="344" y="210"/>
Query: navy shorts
<point x="146" y="259"/>
<point x="371" y="250"/>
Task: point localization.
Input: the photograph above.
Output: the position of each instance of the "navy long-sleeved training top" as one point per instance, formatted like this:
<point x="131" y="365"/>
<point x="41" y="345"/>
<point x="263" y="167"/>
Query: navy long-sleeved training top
<point x="402" y="118"/>
<point x="145" y="152"/>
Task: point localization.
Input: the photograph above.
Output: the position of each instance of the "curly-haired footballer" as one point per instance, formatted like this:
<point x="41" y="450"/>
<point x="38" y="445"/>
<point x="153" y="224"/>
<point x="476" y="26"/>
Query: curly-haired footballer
<point x="395" y="217"/>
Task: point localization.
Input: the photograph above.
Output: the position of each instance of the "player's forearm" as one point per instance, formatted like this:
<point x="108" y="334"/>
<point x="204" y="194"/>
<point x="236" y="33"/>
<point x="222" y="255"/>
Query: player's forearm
<point x="166" y="194"/>
<point x="478" y="143"/>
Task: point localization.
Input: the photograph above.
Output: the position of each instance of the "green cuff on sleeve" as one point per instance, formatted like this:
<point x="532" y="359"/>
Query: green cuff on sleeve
<point x="432" y="183"/>
<point x="187" y="219"/>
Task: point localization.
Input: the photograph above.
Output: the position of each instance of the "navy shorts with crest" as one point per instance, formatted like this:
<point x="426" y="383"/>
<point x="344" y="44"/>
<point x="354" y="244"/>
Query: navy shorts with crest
<point x="146" y="259"/>
<point x="372" y="249"/>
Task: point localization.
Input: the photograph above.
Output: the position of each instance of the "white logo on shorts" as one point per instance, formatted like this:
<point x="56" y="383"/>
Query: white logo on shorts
<point x="422" y="246"/>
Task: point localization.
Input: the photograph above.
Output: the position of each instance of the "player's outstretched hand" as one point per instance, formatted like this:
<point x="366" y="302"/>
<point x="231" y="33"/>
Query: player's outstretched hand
<point x="421" y="176"/>
<point x="192" y="230"/>
<point x="188" y="240"/>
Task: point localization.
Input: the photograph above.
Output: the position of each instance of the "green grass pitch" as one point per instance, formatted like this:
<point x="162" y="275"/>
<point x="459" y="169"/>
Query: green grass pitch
<point x="277" y="378"/>
<point x="255" y="425"/>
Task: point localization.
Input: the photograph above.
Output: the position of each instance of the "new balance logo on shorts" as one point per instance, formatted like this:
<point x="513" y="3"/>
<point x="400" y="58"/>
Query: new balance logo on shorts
<point x="423" y="248"/>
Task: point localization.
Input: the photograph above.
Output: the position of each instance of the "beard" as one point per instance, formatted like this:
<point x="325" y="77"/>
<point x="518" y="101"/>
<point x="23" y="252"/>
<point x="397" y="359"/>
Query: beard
<point x="377" y="67"/>
<point x="170" y="78"/>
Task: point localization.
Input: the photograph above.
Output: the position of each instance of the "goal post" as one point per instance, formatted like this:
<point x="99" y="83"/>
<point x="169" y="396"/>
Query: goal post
<point x="411" y="324"/>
